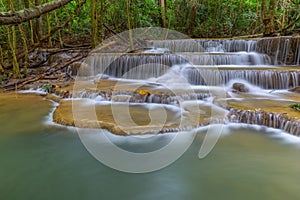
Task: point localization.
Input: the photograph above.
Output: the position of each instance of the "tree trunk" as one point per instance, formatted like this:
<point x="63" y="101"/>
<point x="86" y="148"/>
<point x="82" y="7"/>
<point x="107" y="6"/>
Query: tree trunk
<point x="12" y="43"/>
<point x="23" y="36"/>
<point x="162" y="4"/>
<point x="101" y="20"/>
<point x="61" y="43"/>
<point x="192" y="19"/>
<point x="94" y="4"/>
<point x="1" y="61"/>
<point x="273" y="5"/>
<point x="12" y="17"/>
<point x="256" y="21"/>
<point x="129" y="25"/>
<point x="11" y="40"/>
<point x="268" y="17"/>
<point x="30" y="23"/>
<point x="38" y="24"/>
<point x="48" y="28"/>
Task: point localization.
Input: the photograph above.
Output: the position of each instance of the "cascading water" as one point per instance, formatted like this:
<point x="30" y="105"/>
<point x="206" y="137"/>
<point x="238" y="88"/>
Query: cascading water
<point x="245" y="54"/>
<point x="179" y="64"/>
<point x="281" y="50"/>
<point x="274" y="120"/>
<point x="198" y="45"/>
<point x="269" y="79"/>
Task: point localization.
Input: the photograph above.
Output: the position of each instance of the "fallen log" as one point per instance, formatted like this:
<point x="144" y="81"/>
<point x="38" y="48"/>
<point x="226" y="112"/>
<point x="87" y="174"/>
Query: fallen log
<point x="12" y="17"/>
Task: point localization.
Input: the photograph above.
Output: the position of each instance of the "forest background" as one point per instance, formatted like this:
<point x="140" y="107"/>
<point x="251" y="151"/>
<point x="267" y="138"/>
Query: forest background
<point x="27" y="25"/>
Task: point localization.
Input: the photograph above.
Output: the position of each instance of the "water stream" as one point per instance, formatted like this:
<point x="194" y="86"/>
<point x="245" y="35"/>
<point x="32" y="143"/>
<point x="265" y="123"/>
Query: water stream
<point x="42" y="161"/>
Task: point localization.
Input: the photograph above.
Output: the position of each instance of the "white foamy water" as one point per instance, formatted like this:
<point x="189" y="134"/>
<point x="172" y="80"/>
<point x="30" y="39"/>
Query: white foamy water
<point x="33" y="91"/>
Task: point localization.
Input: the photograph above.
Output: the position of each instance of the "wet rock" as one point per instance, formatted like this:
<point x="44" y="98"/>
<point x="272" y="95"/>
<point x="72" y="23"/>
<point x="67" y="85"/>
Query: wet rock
<point x="240" y="87"/>
<point x="73" y="68"/>
<point x="79" y="68"/>
<point x="295" y="89"/>
<point x="53" y="97"/>
<point x="80" y="114"/>
<point x="140" y="50"/>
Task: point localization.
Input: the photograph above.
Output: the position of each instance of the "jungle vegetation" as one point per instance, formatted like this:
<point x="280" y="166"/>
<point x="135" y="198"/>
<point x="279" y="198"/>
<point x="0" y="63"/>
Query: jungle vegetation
<point x="26" y="25"/>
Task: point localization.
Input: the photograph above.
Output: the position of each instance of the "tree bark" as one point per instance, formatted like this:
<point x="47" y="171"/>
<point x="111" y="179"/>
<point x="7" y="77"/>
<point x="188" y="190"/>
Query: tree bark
<point x="101" y="20"/>
<point x="12" y="42"/>
<point x="11" y="17"/>
<point x="23" y="36"/>
<point x="192" y="18"/>
<point x="163" y="13"/>
<point x="268" y="17"/>
<point x="1" y="61"/>
<point x="94" y="4"/>
<point x="38" y="24"/>
<point x="30" y="23"/>
<point x="129" y="25"/>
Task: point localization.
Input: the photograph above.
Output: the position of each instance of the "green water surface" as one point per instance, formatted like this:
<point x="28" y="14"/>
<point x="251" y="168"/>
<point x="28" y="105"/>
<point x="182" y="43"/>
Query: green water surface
<point x="39" y="161"/>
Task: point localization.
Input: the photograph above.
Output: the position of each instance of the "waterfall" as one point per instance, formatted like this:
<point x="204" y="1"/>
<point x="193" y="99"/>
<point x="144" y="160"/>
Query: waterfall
<point x="282" y="50"/>
<point x="256" y="52"/>
<point x="198" y="45"/>
<point x="274" y="120"/>
<point x="140" y="66"/>
<point x="166" y="73"/>
<point x="238" y="58"/>
<point x="267" y="79"/>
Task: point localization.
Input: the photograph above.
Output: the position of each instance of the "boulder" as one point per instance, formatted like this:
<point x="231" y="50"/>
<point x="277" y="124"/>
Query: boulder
<point x="240" y="87"/>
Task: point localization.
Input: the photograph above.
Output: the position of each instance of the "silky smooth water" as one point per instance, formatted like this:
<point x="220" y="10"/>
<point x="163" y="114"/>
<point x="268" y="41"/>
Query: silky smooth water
<point x="43" y="161"/>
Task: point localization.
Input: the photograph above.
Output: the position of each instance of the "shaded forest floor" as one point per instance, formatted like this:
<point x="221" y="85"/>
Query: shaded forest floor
<point x="48" y="67"/>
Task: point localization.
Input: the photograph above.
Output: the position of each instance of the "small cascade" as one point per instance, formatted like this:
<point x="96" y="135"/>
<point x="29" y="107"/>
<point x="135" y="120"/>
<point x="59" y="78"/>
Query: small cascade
<point x="282" y="50"/>
<point x="267" y="79"/>
<point x="274" y="120"/>
<point x="198" y="45"/>
<point x="187" y="45"/>
<point x="238" y="58"/>
<point x="140" y="66"/>
<point x="134" y="97"/>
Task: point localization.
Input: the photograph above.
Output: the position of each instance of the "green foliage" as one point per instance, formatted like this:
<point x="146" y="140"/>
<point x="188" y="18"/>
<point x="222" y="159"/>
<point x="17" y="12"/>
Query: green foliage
<point x="147" y="13"/>
<point x="214" y="18"/>
<point x="295" y="106"/>
<point x="47" y="87"/>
